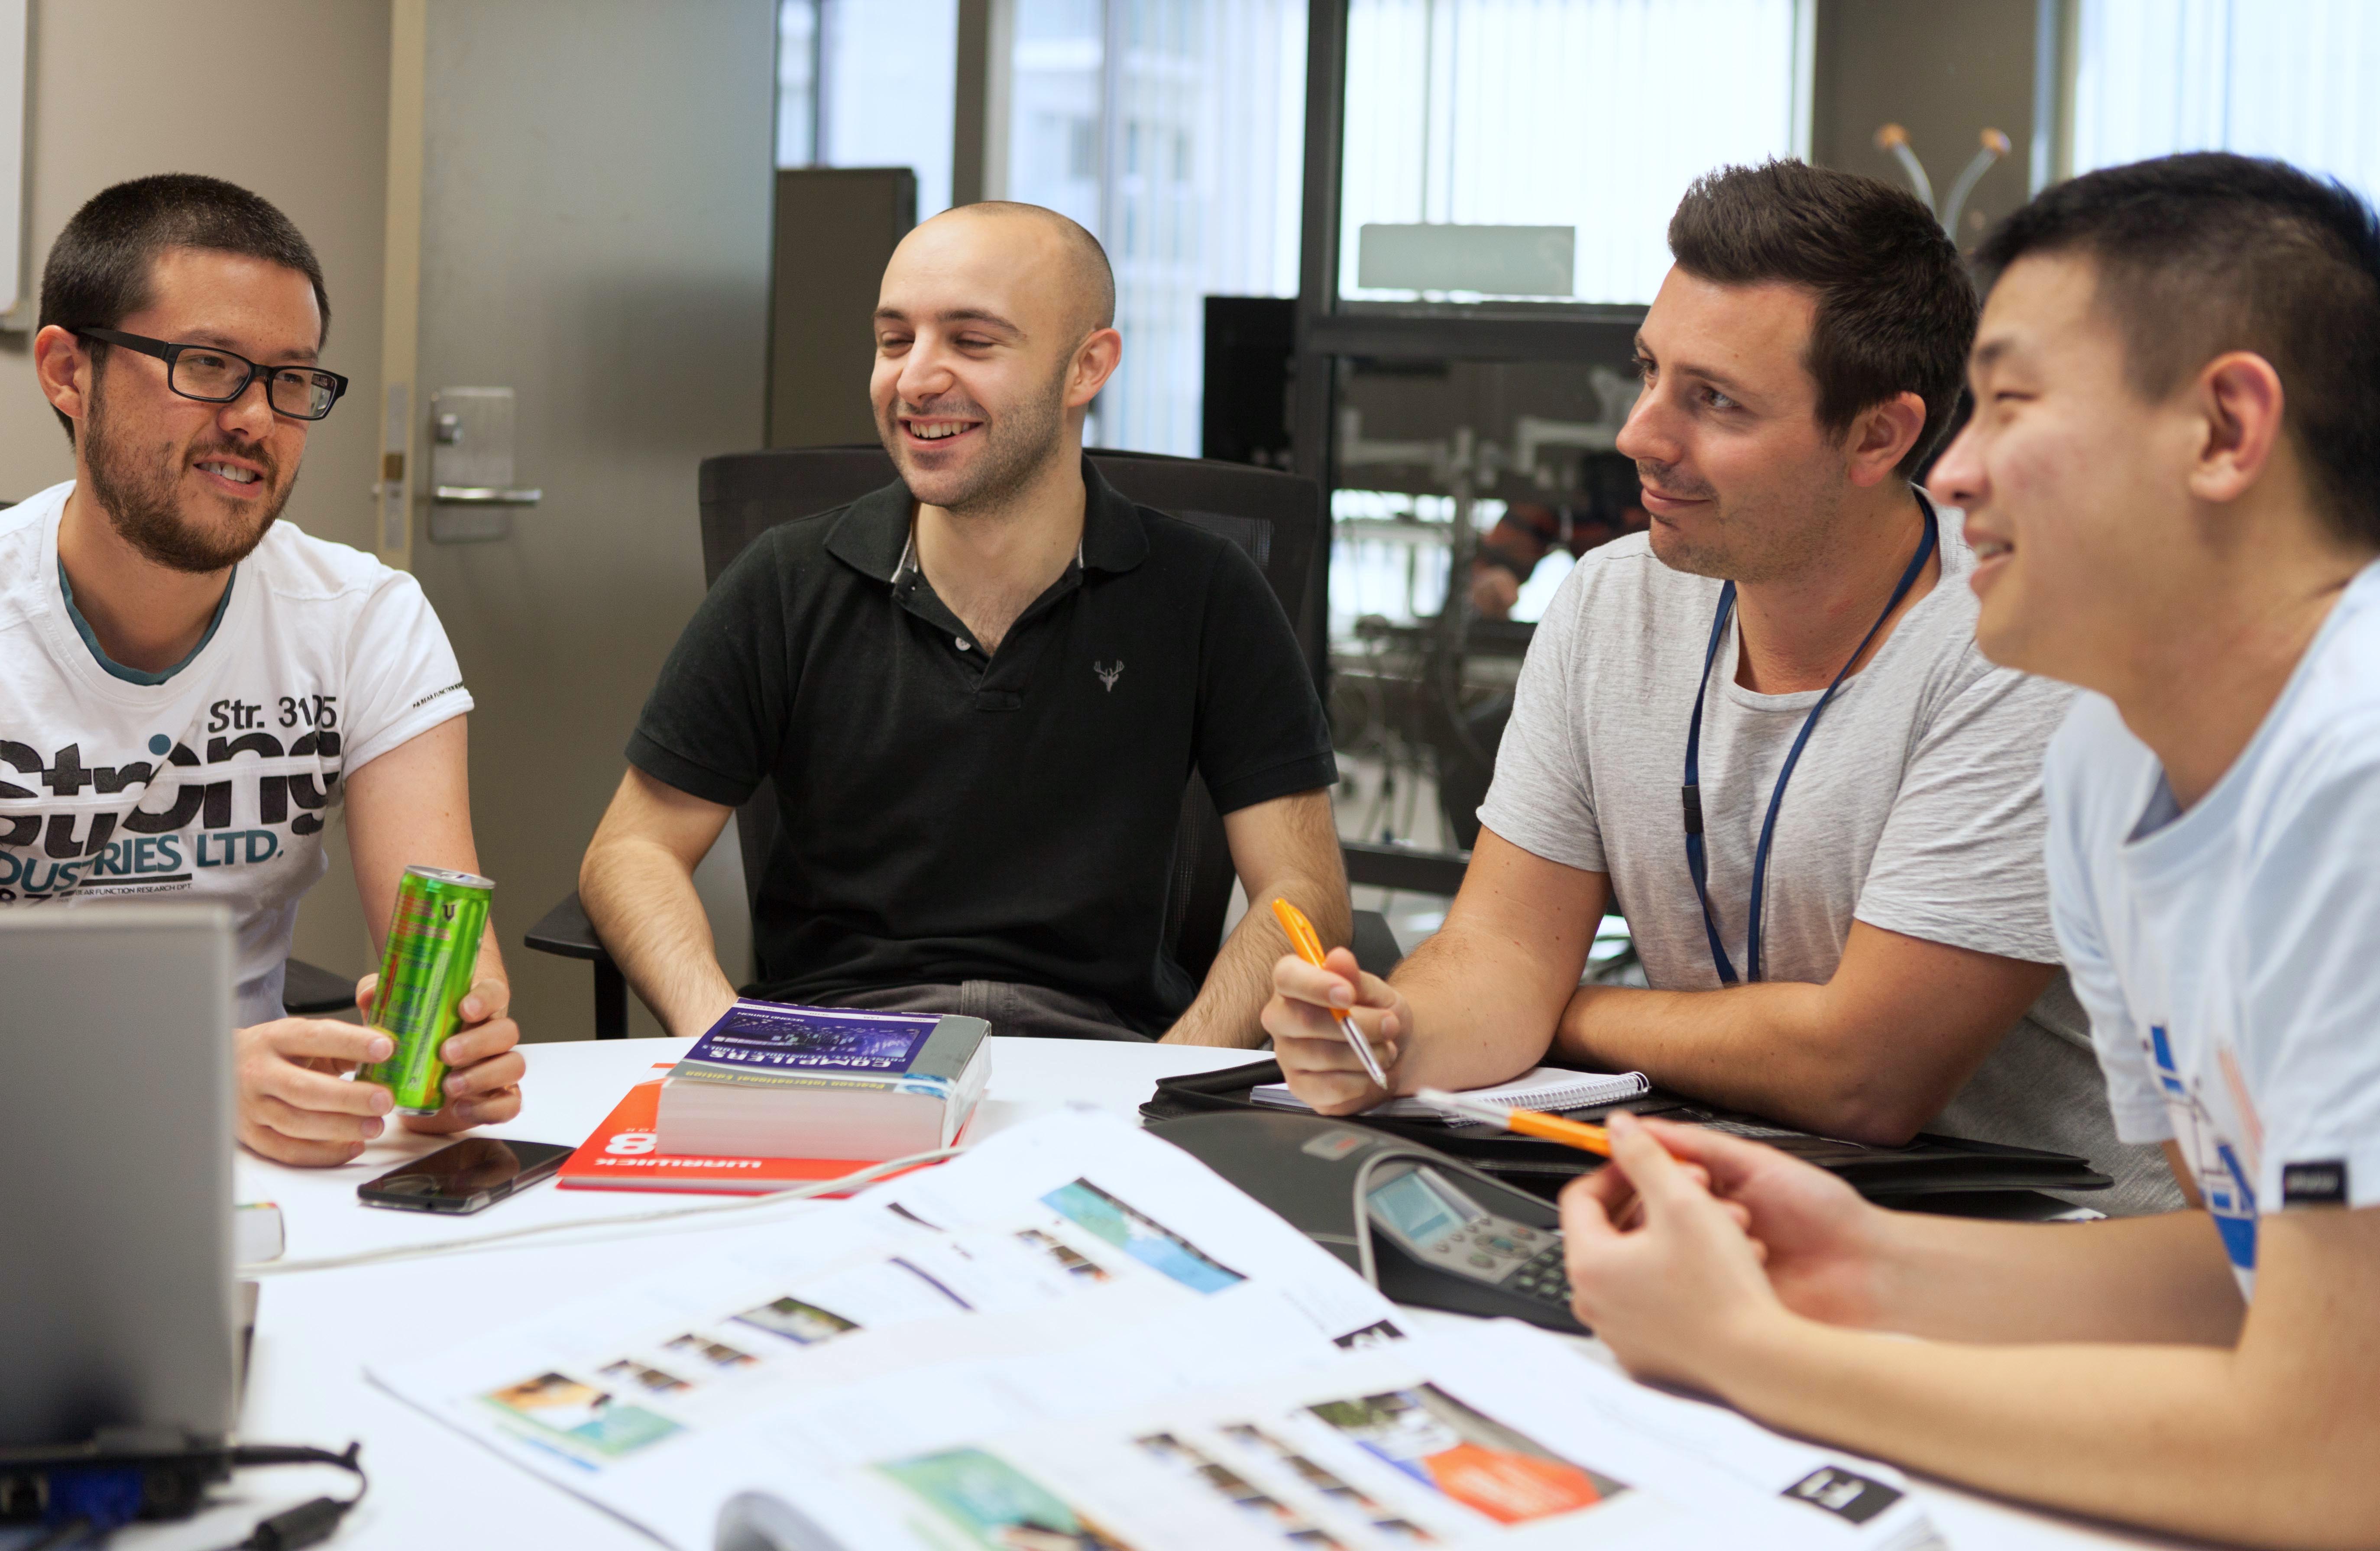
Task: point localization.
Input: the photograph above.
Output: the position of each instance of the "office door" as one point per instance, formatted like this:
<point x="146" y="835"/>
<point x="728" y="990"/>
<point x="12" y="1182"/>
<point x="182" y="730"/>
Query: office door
<point x="595" y="189"/>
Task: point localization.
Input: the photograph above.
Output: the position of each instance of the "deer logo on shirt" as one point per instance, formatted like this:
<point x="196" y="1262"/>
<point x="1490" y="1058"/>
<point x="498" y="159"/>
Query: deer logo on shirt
<point x="1108" y="676"/>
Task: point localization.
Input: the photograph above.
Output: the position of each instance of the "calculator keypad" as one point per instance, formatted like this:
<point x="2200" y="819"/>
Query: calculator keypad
<point x="1543" y="1277"/>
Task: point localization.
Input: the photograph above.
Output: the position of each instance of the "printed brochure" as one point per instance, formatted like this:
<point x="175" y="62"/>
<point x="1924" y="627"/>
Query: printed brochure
<point x="1079" y="1336"/>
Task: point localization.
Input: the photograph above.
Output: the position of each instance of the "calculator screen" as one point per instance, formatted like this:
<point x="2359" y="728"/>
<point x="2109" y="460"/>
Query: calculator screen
<point x="1412" y="1206"/>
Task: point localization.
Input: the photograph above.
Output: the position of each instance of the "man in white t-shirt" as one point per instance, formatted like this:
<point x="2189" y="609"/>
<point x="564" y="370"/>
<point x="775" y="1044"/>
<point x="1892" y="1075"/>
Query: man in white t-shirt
<point x="1801" y="358"/>
<point x="2172" y="479"/>
<point x="189" y="686"/>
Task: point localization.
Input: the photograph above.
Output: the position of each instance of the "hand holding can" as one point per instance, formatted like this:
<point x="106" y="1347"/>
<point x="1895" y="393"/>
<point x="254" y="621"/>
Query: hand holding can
<point x="433" y="946"/>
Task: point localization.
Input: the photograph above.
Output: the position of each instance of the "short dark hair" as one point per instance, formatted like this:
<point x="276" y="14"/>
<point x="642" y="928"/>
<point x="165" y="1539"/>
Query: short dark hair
<point x="2209" y="252"/>
<point x="1896" y="310"/>
<point x="101" y="268"/>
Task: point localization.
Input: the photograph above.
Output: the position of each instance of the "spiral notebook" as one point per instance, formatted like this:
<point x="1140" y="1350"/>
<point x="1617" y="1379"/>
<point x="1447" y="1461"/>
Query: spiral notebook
<point x="1547" y="1087"/>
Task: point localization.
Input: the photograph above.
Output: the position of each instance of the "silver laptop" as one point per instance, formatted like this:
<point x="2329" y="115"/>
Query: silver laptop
<point x="116" y="1305"/>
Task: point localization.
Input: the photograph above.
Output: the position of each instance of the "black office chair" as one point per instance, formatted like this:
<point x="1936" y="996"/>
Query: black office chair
<point x="311" y="991"/>
<point x="1276" y="519"/>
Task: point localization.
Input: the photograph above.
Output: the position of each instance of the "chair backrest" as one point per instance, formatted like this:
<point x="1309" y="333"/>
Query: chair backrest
<point x="1275" y="517"/>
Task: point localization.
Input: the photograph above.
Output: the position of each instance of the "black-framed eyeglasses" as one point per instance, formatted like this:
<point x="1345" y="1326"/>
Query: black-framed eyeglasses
<point x="213" y="375"/>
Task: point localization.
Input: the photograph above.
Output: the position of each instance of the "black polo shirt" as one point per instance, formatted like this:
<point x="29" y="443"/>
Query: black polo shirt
<point x="951" y="817"/>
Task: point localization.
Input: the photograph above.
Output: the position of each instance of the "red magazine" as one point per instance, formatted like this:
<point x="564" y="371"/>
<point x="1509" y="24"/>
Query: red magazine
<point x="620" y="1155"/>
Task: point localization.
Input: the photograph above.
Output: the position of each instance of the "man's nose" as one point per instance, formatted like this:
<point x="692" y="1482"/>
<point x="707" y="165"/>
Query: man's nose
<point x="1647" y="434"/>
<point x="925" y="372"/>
<point x="1957" y="476"/>
<point x="249" y="414"/>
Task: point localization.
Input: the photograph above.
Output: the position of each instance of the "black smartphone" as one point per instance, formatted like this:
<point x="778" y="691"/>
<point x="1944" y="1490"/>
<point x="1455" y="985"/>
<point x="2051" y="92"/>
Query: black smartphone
<point x="475" y="1172"/>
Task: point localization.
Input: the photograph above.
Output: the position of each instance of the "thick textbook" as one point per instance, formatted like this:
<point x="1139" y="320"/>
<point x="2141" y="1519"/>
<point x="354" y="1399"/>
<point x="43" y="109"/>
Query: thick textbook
<point x="771" y="1080"/>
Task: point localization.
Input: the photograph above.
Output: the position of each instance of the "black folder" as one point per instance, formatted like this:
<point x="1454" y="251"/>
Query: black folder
<point x="1928" y="1165"/>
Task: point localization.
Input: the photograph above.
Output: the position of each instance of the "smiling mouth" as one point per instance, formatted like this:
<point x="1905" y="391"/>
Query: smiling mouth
<point x="937" y="430"/>
<point x="1990" y="548"/>
<point x="230" y="473"/>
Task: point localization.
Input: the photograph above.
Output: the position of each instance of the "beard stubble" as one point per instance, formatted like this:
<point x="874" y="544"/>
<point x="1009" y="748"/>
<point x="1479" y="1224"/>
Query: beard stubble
<point x="138" y="496"/>
<point x="1018" y="443"/>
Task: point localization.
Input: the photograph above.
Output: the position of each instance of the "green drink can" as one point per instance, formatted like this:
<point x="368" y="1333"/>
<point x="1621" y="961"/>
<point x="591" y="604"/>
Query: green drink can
<point x="433" y="945"/>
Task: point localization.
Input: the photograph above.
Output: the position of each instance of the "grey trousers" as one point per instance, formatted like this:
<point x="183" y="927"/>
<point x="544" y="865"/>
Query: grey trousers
<point x="1009" y="1007"/>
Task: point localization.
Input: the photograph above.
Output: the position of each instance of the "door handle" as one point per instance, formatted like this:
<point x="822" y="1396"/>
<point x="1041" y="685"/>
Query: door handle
<point x="484" y="495"/>
<point x="471" y="492"/>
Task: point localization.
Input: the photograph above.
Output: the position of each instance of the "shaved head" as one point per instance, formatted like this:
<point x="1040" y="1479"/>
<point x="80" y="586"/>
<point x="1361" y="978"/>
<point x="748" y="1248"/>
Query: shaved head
<point x="1084" y="276"/>
<point x="994" y="331"/>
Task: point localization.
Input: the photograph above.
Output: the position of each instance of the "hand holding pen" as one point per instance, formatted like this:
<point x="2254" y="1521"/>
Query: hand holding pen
<point x="1335" y="1029"/>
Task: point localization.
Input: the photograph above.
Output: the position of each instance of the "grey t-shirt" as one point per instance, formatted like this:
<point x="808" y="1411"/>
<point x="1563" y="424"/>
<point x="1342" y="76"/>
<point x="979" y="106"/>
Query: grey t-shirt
<point x="1916" y="807"/>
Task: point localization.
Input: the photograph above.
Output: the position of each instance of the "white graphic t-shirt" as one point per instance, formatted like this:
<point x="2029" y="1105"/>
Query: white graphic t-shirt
<point x="217" y="782"/>
<point x="2226" y="953"/>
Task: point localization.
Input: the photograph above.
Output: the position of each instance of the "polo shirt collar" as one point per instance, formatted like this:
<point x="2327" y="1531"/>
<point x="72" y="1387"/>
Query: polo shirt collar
<point x="1113" y="538"/>
<point x="872" y="535"/>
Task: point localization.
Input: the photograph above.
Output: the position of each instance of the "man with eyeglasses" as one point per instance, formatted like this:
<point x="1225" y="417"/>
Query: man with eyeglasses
<point x="189" y="687"/>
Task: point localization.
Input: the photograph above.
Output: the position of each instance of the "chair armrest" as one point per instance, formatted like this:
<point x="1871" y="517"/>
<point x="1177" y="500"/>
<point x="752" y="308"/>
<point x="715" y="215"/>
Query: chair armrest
<point x="1374" y="945"/>
<point x="309" y="991"/>
<point x="564" y="930"/>
<point x="1405" y="867"/>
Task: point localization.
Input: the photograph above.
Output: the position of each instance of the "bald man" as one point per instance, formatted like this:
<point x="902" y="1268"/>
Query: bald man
<point x="980" y="691"/>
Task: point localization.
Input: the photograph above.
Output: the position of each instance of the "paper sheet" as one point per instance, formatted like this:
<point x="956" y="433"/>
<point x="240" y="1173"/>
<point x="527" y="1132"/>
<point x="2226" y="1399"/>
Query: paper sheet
<point x="1087" y="1331"/>
<point x="1501" y="1437"/>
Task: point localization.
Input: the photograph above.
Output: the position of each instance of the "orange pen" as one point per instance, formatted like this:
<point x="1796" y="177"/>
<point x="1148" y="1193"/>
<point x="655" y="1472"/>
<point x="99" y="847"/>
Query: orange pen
<point x="1309" y="948"/>
<point x="1528" y="1123"/>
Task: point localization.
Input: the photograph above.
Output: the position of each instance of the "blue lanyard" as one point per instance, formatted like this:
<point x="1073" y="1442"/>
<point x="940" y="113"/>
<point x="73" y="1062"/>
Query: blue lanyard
<point x="1692" y="793"/>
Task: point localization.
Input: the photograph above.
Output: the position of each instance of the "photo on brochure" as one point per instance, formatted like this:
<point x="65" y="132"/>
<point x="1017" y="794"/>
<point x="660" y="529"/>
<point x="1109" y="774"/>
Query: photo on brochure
<point x="1141" y="1237"/>
<point x="651" y="1380"/>
<point x="1330" y="1485"/>
<point x="1069" y="1260"/>
<point x="1466" y="1456"/>
<point x="719" y="1355"/>
<point x="800" y="1323"/>
<point x="582" y="1414"/>
<point x="1196" y="1465"/>
<point x="996" y="1506"/>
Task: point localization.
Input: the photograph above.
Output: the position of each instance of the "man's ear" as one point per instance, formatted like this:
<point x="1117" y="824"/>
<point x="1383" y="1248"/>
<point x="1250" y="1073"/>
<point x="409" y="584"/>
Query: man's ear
<point x="1096" y="359"/>
<point x="1881" y="437"/>
<point x="64" y="369"/>
<point x="2238" y="395"/>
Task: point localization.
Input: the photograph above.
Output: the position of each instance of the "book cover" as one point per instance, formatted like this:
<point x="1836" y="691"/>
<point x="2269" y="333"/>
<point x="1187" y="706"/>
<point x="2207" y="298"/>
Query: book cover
<point x="777" y="1045"/>
<point x="620" y="1155"/>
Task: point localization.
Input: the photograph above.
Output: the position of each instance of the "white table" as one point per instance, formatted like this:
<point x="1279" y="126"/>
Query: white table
<point x="433" y="1488"/>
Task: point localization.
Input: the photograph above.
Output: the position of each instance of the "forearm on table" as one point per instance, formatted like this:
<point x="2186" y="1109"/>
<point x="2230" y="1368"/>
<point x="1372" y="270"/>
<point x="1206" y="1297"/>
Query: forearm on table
<point x="1240" y="980"/>
<point x="1766" y="1048"/>
<point x="2157" y="1279"/>
<point x="642" y="903"/>
<point x="1779" y="1048"/>
<point x="2177" y="1437"/>
<point x="1479" y="1008"/>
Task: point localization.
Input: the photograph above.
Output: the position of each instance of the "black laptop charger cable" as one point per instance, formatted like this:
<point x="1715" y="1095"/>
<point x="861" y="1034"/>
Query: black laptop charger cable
<point x="309" y="1522"/>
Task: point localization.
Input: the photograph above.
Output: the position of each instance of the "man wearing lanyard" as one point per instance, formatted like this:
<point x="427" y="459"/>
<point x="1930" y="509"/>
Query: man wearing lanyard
<point x="1763" y="732"/>
<point x="2173" y="481"/>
